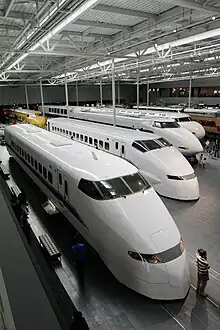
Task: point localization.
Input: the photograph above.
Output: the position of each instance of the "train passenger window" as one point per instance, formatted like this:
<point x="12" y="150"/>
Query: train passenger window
<point x="52" y="128"/>
<point x="22" y="152"/>
<point x="81" y="137"/>
<point x="49" y="109"/>
<point x="66" y="132"/>
<point x="29" y="159"/>
<point x="100" y="144"/>
<point x="40" y="168"/>
<point x="35" y="164"/>
<point x="58" y="110"/>
<point x="96" y="142"/>
<point x="74" y="134"/>
<point x="106" y="145"/>
<point x="65" y="187"/>
<point x="62" y="111"/>
<point x="90" y="140"/>
<point x="58" y="129"/>
<point x="60" y="179"/>
<point x="116" y="145"/>
<point x="122" y="150"/>
<point x="89" y="188"/>
<point x="65" y="111"/>
<point x="55" y="110"/>
<point x="45" y="172"/>
<point x="70" y="133"/>
<point x="32" y="161"/>
<point x="50" y="177"/>
<point x="86" y="138"/>
<point x="77" y="135"/>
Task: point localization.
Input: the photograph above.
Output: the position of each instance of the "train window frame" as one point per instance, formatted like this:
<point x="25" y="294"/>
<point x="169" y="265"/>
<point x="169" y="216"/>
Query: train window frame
<point x="35" y="164"/>
<point x="44" y="172"/>
<point x="60" y="179"/>
<point x="67" y="132"/>
<point x="28" y="158"/>
<point x="95" y="142"/>
<point x="81" y="137"/>
<point x="22" y="152"/>
<point x="107" y="146"/>
<point x="40" y="168"/>
<point x="50" y="177"/>
<point x="77" y="136"/>
<point x="101" y="144"/>
<point x="25" y="155"/>
<point x="90" y="140"/>
<point x="73" y="134"/>
<point x="123" y="149"/>
<point x="85" y="138"/>
<point x="61" y="111"/>
<point x="32" y="161"/>
<point x="65" y="111"/>
<point x="70" y="133"/>
<point x="52" y="128"/>
<point x="116" y="145"/>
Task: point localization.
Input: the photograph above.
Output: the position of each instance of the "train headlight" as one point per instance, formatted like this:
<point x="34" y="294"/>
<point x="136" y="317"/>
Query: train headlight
<point x="183" y="148"/>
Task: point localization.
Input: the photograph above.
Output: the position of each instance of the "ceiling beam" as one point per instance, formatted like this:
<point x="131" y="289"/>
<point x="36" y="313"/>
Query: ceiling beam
<point x="10" y="27"/>
<point x="81" y="34"/>
<point x="101" y="25"/>
<point x="123" y="11"/>
<point x="7" y="7"/>
<point x="195" y="5"/>
<point x="63" y="54"/>
<point x="16" y="14"/>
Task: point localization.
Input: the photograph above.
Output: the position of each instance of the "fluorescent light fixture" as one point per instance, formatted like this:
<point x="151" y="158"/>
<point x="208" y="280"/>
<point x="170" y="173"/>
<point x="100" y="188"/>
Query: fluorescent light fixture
<point x="72" y="17"/>
<point x="22" y="57"/>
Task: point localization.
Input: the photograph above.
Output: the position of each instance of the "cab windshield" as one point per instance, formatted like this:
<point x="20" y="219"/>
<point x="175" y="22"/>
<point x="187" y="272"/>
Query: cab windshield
<point x="147" y="145"/>
<point x="166" y="124"/>
<point x="182" y="119"/>
<point x="114" y="188"/>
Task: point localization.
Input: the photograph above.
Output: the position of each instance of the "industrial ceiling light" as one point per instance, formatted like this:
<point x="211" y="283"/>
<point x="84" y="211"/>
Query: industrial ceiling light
<point x="73" y="16"/>
<point x="213" y="18"/>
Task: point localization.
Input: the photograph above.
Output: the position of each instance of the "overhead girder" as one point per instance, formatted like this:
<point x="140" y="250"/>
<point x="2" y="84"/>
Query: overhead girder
<point x="123" y="11"/>
<point x="195" y="5"/>
<point x="102" y="25"/>
<point x="16" y="15"/>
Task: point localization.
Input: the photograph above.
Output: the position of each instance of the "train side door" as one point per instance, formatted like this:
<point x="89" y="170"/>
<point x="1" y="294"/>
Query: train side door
<point x="48" y="126"/>
<point x="116" y="146"/>
<point x="62" y="184"/>
<point x="122" y="150"/>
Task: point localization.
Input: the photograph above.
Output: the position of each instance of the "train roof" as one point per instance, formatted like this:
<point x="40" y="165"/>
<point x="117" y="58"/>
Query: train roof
<point x="84" y="160"/>
<point x="127" y="116"/>
<point x="116" y="132"/>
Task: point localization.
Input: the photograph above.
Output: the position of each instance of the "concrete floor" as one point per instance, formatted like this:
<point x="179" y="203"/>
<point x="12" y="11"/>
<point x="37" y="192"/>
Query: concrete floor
<point x="105" y="303"/>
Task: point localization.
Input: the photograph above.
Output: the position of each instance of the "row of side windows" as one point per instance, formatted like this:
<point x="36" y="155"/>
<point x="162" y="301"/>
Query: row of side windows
<point x="33" y="162"/>
<point x="57" y="110"/>
<point x="84" y="138"/>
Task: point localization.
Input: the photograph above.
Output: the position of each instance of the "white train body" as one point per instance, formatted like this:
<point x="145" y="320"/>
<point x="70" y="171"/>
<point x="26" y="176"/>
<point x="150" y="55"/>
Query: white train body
<point x="183" y="119"/>
<point x="167" y="128"/>
<point x="163" y="165"/>
<point x="111" y="205"/>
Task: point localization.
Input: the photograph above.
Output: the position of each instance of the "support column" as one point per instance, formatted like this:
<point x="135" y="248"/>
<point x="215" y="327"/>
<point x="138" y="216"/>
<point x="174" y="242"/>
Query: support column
<point x="190" y="90"/>
<point x="67" y="98"/>
<point x="113" y="92"/>
<point x="100" y="86"/>
<point x="77" y="95"/>
<point x="26" y="96"/>
<point x="138" y="91"/>
<point x="42" y="97"/>
<point x="119" y="98"/>
<point x="148" y="93"/>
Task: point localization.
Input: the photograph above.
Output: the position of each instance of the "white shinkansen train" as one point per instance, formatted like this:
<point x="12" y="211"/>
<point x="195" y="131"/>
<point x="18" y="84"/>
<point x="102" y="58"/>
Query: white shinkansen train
<point x="169" y="129"/>
<point x="124" y="220"/>
<point x="163" y="165"/>
<point x="183" y="119"/>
